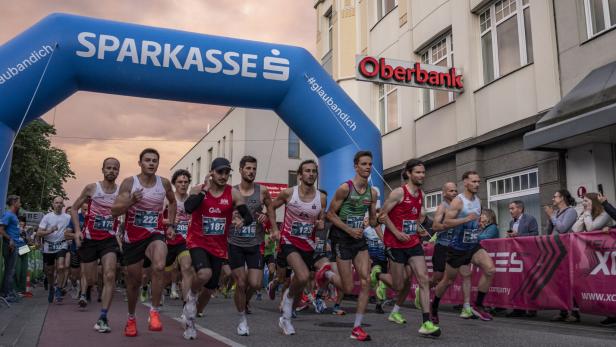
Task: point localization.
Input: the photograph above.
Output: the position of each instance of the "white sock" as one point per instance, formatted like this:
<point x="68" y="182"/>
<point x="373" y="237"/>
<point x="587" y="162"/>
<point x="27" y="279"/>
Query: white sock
<point x="287" y="306"/>
<point x="173" y="287"/>
<point x="358" y="318"/>
<point x="242" y="317"/>
<point x="396" y="309"/>
<point x="329" y="274"/>
<point x="466" y="305"/>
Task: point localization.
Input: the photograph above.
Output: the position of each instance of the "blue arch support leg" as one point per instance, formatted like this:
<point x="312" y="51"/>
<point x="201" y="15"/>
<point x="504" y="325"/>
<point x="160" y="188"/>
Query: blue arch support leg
<point x="6" y="138"/>
<point x="120" y="58"/>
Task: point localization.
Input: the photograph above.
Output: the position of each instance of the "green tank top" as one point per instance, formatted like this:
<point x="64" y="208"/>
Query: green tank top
<point x="355" y="206"/>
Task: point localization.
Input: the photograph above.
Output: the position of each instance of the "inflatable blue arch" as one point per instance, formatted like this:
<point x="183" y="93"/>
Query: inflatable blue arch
<point x="65" y="53"/>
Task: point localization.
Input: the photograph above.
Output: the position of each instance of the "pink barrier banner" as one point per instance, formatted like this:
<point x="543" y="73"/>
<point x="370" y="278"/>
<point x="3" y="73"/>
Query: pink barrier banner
<point x="593" y="265"/>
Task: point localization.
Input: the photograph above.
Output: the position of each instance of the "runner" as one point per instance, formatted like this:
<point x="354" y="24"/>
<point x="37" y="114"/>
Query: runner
<point x="304" y="214"/>
<point x="245" y="257"/>
<point x="347" y="211"/>
<point x="96" y="239"/>
<point x="442" y="236"/>
<point x="211" y="205"/>
<point x="51" y="230"/>
<point x="75" y="261"/>
<point x="177" y="254"/>
<point x="402" y="213"/>
<point x="142" y="199"/>
<point x="464" y="248"/>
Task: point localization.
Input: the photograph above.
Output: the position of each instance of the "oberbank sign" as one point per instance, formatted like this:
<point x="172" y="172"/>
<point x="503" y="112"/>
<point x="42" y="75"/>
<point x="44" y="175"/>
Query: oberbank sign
<point x="410" y="74"/>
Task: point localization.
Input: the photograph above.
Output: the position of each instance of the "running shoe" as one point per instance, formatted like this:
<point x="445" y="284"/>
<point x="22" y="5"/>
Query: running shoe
<point x="379" y="308"/>
<point x="303" y="303"/>
<point x="82" y="301"/>
<point x="154" y="323"/>
<point x="294" y="314"/>
<point x="396" y="317"/>
<point x="143" y="296"/>
<point x="319" y="305"/>
<point x="271" y="290"/>
<point x="381" y="291"/>
<point x="102" y="326"/>
<point x="429" y="329"/>
<point x="190" y="333"/>
<point x="200" y="314"/>
<point x="338" y="311"/>
<point x="286" y="326"/>
<point x="466" y="313"/>
<point x="174" y="294"/>
<point x="259" y="296"/>
<point x="359" y="334"/>
<point x="374" y="275"/>
<point x="608" y="321"/>
<point x="417" y="299"/>
<point x="481" y="312"/>
<point x="58" y="296"/>
<point x="242" y="329"/>
<point x="320" y="275"/>
<point x="130" y="329"/>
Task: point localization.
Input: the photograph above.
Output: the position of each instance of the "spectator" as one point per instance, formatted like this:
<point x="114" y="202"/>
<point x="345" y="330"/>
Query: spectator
<point x="522" y="224"/>
<point x="9" y="229"/>
<point x="611" y="211"/>
<point x="562" y="213"/>
<point x="487" y="223"/>
<point x="594" y="216"/>
<point x="21" y="264"/>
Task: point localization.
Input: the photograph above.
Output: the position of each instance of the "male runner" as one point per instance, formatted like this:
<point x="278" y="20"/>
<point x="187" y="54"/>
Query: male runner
<point x="402" y="213"/>
<point x="464" y="248"/>
<point x="142" y="199"/>
<point x="177" y="252"/>
<point x="346" y="213"/>
<point x="75" y="261"/>
<point x="96" y="240"/>
<point x="211" y="205"/>
<point x="55" y="247"/>
<point x="245" y="257"/>
<point x="304" y="214"/>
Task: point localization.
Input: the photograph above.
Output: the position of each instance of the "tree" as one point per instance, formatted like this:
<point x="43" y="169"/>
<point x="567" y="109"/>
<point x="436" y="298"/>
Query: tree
<point x="38" y="169"/>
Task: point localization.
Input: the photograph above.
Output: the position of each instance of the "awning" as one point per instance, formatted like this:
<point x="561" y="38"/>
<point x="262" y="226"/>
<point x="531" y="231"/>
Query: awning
<point x="586" y="114"/>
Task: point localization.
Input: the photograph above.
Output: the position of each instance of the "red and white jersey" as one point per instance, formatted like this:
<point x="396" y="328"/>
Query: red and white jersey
<point x="405" y="217"/>
<point x="183" y="220"/>
<point x="300" y="220"/>
<point x="210" y="223"/>
<point x="99" y="224"/>
<point x="146" y="216"/>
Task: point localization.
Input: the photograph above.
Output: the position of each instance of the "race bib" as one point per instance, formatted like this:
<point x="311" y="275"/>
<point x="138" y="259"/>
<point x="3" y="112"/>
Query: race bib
<point x="213" y="225"/>
<point x="182" y="228"/>
<point x="53" y="247"/>
<point x="146" y="219"/>
<point x="248" y="231"/>
<point x="471" y="236"/>
<point x="355" y="222"/>
<point x="103" y="223"/>
<point x="375" y="244"/>
<point x="409" y="227"/>
<point x="301" y="229"/>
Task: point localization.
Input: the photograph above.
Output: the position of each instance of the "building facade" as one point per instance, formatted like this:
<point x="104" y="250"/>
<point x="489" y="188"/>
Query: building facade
<point x="259" y="133"/>
<point x="508" y="53"/>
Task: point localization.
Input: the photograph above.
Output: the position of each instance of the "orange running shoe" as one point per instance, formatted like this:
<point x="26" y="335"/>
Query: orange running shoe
<point x="154" y="323"/>
<point x="130" y="329"/>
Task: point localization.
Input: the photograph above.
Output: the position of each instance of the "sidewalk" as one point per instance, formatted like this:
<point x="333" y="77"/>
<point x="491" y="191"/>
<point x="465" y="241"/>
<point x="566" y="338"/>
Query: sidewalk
<point x="21" y="324"/>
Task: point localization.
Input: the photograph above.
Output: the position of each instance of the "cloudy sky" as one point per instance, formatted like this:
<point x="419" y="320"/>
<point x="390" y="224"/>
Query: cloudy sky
<point x="86" y="118"/>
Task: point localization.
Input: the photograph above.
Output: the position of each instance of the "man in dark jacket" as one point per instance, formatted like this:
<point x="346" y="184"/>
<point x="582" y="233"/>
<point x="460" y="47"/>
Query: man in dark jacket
<point x="522" y="224"/>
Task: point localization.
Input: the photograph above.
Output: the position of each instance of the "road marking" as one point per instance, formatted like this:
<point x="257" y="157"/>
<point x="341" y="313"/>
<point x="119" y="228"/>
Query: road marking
<point x="206" y="331"/>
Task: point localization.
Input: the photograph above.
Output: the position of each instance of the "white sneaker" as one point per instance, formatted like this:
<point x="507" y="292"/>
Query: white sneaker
<point x="190" y="308"/>
<point x="286" y="326"/>
<point x="174" y="294"/>
<point x="242" y="329"/>
<point x="190" y="333"/>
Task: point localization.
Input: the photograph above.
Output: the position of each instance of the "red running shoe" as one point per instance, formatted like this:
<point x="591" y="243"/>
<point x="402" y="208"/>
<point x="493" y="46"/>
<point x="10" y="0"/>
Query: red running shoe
<point x="130" y="329"/>
<point x="154" y="323"/>
<point x="359" y="334"/>
<point x="481" y="312"/>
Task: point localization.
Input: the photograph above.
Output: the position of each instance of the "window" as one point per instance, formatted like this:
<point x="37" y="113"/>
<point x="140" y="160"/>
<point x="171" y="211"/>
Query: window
<point x="506" y="41"/>
<point x="432" y="200"/>
<point x="329" y="16"/>
<point x="198" y="175"/>
<point x="523" y="186"/>
<point x="388" y="108"/>
<point x="231" y="146"/>
<point x="441" y="54"/>
<point x="292" y="178"/>
<point x="209" y="158"/>
<point x="383" y="7"/>
<point x="224" y="143"/>
<point x="293" y="145"/>
<point x="600" y="16"/>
